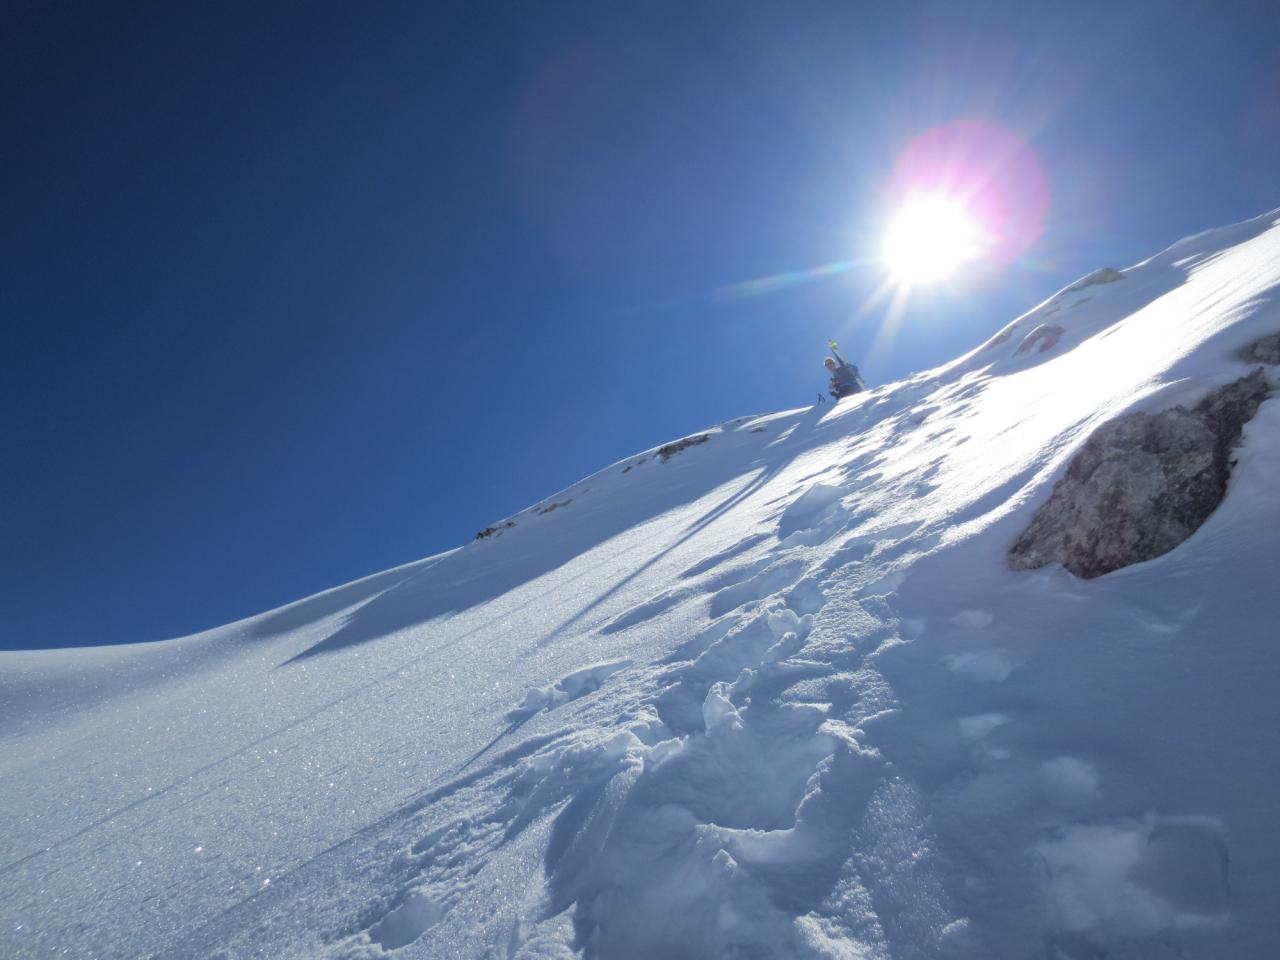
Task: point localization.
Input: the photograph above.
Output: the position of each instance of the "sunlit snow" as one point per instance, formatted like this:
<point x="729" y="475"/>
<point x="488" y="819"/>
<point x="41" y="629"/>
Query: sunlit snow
<point x="775" y="694"/>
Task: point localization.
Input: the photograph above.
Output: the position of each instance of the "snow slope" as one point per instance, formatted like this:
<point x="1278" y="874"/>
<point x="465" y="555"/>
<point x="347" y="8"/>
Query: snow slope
<point x="774" y="694"/>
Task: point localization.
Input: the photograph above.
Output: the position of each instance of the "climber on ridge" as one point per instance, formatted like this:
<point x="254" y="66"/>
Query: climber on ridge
<point x="845" y="379"/>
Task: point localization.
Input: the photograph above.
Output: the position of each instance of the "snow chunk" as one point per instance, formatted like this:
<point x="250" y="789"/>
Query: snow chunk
<point x="718" y="712"/>
<point x="575" y="685"/>
<point x="1042" y="338"/>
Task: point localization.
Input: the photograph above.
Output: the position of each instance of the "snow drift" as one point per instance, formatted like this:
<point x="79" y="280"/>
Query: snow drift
<point x="771" y="691"/>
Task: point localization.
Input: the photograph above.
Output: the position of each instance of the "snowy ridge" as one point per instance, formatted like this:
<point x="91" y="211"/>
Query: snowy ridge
<point x="772" y="694"/>
<point x="1039" y="329"/>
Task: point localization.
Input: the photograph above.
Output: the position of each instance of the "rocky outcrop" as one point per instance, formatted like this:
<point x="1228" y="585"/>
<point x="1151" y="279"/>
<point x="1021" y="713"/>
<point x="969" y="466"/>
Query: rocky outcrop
<point x="671" y="449"/>
<point x="1262" y="350"/>
<point x="1140" y="485"/>
<point x="495" y="531"/>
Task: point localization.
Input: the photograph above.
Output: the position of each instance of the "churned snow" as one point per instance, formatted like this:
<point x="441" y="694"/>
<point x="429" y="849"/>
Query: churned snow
<point x="774" y="693"/>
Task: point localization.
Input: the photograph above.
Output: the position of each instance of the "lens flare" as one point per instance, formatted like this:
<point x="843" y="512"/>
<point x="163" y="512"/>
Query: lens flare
<point x="782" y="281"/>
<point x="929" y="238"/>
<point x="967" y="191"/>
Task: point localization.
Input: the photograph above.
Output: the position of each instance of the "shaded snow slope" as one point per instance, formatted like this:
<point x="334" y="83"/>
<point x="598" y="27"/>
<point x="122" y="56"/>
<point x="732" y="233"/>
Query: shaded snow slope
<point x="771" y="694"/>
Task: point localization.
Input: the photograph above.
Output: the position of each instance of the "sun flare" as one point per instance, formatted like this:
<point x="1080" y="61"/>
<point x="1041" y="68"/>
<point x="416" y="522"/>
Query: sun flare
<point x="928" y="239"/>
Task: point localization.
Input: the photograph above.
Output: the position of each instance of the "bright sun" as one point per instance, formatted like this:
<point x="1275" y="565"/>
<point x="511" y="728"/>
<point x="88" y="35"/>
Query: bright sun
<point x="928" y="239"/>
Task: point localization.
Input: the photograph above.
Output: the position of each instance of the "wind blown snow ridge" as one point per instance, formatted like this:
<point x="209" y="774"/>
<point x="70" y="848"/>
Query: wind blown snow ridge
<point x="773" y="693"/>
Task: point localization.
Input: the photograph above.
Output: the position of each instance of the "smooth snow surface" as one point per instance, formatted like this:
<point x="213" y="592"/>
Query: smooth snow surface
<point x="773" y="695"/>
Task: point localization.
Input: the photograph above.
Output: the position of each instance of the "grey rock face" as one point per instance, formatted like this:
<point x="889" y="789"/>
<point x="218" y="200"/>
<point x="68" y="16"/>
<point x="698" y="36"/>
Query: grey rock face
<point x="1262" y="350"/>
<point x="671" y="449"/>
<point x="1140" y="485"/>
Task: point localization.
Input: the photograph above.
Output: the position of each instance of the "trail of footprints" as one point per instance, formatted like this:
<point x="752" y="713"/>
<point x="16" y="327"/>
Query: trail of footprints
<point x="749" y="780"/>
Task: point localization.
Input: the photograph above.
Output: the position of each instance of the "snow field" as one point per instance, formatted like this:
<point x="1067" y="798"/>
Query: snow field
<point x="775" y="694"/>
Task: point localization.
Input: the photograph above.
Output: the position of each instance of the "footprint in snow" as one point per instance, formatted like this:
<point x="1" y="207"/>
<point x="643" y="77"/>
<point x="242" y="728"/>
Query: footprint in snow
<point x="1069" y="781"/>
<point x="973" y="619"/>
<point x="575" y="685"/>
<point x="979" y="725"/>
<point x="416" y="914"/>
<point x="818" y="508"/>
<point x="1134" y="882"/>
<point x="975" y="731"/>
<point x="768" y="581"/>
<point x="986" y="666"/>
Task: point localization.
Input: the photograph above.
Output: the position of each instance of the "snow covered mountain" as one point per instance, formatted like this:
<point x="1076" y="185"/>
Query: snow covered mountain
<point x="771" y="691"/>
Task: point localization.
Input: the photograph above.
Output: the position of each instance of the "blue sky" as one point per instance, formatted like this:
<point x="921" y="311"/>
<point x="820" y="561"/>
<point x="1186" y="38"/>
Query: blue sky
<point x="293" y="295"/>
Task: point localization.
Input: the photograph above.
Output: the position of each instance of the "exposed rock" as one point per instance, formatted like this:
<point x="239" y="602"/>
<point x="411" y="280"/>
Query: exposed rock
<point x="1140" y="485"/>
<point x="669" y="450"/>
<point x="491" y="531"/>
<point x="1040" y="339"/>
<point x="1262" y="350"/>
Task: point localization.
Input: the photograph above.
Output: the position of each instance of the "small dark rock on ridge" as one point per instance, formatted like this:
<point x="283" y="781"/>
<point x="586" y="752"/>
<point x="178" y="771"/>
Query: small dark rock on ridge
<point x="1140" y="485"/>
<point x="490" y="531"/>
<point x="669" y="450"/>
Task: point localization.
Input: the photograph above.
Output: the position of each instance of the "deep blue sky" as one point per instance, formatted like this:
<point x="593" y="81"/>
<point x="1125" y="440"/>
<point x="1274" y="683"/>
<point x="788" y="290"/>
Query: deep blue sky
<point x="293" y="293"/>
